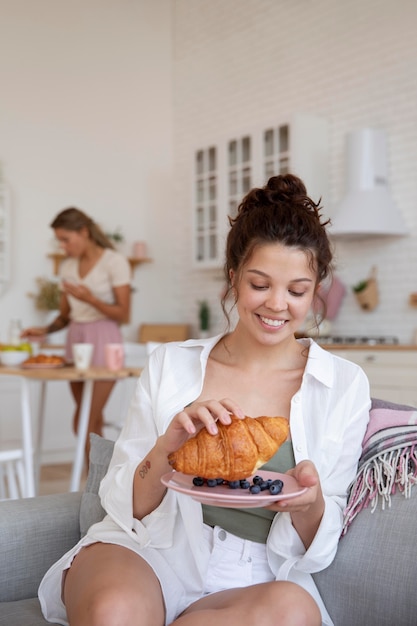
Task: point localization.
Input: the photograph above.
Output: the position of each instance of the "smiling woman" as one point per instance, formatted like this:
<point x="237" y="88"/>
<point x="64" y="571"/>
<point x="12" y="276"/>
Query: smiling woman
<point x="176" y="560"/>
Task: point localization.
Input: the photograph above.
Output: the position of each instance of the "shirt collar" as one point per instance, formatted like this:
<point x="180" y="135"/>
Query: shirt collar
<point x="319" y="362"/>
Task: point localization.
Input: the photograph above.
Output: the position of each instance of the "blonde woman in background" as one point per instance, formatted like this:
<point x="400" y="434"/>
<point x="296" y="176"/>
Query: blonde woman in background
<point x="95" y="300"/>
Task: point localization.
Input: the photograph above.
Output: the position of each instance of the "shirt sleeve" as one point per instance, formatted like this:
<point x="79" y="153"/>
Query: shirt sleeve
<point x="138" y="436"/>
<point x="120" y="271"/>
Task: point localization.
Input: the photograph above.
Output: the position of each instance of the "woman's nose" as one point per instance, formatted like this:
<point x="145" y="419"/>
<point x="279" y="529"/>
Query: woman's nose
<point x="277" y="301"/>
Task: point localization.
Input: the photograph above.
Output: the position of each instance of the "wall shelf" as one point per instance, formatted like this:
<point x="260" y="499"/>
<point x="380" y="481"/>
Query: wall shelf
<point x="58" y="257"/>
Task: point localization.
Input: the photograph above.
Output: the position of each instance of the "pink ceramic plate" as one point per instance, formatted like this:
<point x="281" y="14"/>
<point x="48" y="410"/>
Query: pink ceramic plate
<point x="222" y="495"/>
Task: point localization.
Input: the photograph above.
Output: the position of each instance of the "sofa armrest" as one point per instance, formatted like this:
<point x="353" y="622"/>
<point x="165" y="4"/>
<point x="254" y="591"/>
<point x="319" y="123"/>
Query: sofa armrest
<point x="34" y="533"/>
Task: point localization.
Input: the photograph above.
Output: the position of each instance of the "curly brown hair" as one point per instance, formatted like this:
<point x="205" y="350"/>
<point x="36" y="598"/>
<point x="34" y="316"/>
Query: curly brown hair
<point x="279" y="212"/>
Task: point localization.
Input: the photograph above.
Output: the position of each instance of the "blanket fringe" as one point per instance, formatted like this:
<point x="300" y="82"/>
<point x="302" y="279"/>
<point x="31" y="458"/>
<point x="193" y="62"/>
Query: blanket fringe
<point x="379" y="478"/>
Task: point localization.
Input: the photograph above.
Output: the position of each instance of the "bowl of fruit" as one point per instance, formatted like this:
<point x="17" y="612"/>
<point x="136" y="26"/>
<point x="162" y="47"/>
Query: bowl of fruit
<point x="12" y="356"/>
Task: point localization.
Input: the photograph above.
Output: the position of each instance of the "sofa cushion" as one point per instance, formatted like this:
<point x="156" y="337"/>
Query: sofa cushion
<point x="91" y="511"/>
<point x="34" y="533"/>
<point x="22" y="612"/>
<point x="378" y="553"/>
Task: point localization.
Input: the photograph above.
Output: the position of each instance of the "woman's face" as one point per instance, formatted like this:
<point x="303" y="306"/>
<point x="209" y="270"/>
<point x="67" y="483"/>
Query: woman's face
<point x="274" y="292"/>
<point x="72" y="242"/>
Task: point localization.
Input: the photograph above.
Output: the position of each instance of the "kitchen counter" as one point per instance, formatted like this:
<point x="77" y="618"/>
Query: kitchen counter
<point x="366" y="346"/>
<point x="391" y="368"/>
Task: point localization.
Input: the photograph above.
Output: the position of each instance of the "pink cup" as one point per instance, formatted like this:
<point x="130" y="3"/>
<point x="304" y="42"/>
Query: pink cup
<point x="114" y="355"/>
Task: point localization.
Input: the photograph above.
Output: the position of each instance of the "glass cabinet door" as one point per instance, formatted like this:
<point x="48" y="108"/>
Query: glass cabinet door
<point x="239" y="172"/>
<point x="206" y="206"/>
<point x="231" y="167"/>
<point x="276" y="151"/>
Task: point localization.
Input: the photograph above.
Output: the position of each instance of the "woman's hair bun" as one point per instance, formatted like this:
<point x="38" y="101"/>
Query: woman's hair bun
<point x="287" y="186"/>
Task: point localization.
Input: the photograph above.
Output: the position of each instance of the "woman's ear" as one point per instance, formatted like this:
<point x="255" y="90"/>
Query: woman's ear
<point x="232" y="276"/>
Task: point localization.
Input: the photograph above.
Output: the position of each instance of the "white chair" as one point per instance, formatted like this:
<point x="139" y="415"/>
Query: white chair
<point x="12" y="476"/>
<point x="17" y="475"/>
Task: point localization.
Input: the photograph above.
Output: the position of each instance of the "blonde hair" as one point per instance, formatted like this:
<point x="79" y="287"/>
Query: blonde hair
<point x="75" y="220"/>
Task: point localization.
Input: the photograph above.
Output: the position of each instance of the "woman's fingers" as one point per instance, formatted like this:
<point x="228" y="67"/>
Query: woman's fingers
<point x="210" y="411"/>
<point x="205" y="414"/>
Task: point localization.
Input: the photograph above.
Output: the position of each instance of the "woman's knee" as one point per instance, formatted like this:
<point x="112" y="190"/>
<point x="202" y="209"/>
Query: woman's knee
<point x="287" y="604"/>
<point x="108" y="585"/>
<point x="115" y="606"/>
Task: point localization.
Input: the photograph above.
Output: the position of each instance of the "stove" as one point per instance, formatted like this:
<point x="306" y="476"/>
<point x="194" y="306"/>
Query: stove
<point x="358" y="340"/>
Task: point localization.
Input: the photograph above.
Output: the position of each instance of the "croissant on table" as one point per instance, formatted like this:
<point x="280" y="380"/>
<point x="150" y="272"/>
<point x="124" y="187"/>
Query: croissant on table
<point x="236" y="452"/>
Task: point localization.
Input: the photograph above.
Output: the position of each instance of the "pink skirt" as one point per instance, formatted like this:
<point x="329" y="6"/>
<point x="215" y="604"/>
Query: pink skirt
<point x="98" y="333"/>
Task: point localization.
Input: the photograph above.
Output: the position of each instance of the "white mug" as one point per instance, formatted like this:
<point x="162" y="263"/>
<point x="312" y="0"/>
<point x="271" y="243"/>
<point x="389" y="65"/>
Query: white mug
<point x="83" y="354"/>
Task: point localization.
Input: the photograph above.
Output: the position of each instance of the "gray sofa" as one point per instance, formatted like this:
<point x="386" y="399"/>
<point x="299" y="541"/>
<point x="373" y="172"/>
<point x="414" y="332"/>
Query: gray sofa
<point x="371" y="582"/>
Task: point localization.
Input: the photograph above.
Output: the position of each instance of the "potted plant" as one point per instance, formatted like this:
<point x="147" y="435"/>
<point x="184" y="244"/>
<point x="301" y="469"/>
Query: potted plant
<point x="48" y="296"/>
<point x="366" y="292"/>
<point x="204" y="317"/>
<point x="116" y="236"/>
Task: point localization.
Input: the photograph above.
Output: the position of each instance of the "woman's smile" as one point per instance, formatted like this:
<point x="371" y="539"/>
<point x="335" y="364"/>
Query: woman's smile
<point x="273" y="323"/>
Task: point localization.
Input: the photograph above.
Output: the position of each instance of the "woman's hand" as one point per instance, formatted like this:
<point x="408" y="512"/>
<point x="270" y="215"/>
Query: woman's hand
<point x="148" y="490"/>
<point x="81" y="292"/>
<point x="307" y="509"/>
<point x="201" y="414"/>
<point x="34" y="331"/>
<point x="117" y="311"/>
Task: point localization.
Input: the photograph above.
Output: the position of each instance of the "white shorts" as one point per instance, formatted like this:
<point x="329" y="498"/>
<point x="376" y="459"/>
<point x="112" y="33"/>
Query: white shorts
<point x="234" y="562"/>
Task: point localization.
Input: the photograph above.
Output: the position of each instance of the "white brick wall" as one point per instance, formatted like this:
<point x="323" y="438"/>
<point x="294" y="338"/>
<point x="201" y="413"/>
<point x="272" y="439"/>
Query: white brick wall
<point x="239" y="62"/>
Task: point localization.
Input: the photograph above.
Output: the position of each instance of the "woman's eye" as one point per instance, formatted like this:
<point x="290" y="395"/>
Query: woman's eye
<point x="259" y="287"/>
<point x="297" y="294"/>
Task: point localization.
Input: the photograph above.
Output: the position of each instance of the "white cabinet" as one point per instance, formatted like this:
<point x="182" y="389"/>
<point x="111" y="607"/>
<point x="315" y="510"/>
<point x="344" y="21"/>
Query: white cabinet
<point x="227" y="169"/>
<point x="392" y="373"/>
<point x="4" y="237"/>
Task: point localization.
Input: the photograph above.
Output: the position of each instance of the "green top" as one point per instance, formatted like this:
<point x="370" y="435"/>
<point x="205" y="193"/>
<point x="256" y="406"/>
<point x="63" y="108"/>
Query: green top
<point x="253" y="524"/>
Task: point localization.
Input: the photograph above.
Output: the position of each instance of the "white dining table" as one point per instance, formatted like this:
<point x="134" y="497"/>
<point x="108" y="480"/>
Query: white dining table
<point x="32" y="446"/>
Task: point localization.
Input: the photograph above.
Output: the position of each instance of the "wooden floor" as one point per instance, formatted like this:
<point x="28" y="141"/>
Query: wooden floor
<point x="56" y="479"/>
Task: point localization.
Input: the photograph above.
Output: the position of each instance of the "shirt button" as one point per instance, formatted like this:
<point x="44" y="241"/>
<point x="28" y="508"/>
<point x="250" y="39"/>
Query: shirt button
<point x="222" y="535"/>
<point x="299" y="448"/>
<point x="296" y="398"/>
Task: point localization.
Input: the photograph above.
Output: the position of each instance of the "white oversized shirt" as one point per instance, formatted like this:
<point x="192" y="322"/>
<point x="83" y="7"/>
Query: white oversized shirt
<point x="328" y="418"/>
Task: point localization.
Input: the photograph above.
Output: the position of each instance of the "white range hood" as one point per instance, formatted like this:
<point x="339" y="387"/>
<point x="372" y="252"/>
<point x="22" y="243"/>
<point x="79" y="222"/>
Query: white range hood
<point x="367" y="209"/>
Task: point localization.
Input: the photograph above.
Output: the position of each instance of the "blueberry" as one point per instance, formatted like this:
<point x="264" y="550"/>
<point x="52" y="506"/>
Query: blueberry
<point x="244" y="484"/>
<point x="234" y="484"/>
<point x="219" y="481"/>
<point x="264" y="485"/>
<point x="198" y="481"/>
<point x="211" y="482"/>
<point x="255" y="489"/>
<point x="257" y="480"/>
<point x="278" y="482"/>
<point x="274" y="490"/>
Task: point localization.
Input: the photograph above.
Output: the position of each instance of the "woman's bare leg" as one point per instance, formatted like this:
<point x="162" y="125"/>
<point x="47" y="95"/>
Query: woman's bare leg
<point x="108" y="585"/>
<point x="101" y="393"/>
<point x="266" y="604"/>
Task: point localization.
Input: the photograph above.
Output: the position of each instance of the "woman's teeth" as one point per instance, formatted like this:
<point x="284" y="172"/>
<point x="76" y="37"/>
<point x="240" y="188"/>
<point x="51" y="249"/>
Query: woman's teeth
<point x="270" y="322"/>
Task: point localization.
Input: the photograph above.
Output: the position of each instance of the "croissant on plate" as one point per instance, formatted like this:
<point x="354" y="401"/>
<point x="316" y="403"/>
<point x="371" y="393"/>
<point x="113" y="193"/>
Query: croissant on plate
<point x="236" y="452"/>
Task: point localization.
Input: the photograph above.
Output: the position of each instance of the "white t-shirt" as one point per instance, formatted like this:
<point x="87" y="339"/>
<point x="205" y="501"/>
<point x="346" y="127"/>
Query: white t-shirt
<point x="111" y="270"/>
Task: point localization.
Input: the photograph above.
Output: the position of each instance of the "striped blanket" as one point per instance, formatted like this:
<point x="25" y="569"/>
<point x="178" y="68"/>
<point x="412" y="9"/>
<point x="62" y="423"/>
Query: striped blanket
<point x="389" y="459"/>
